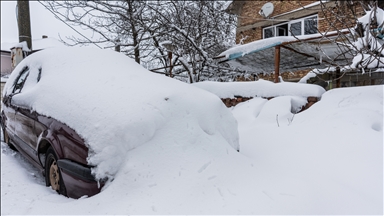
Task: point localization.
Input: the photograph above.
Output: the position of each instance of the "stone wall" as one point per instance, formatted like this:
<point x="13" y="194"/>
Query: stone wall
<point x="287" y="76"/>
<point x="231" y="102"/>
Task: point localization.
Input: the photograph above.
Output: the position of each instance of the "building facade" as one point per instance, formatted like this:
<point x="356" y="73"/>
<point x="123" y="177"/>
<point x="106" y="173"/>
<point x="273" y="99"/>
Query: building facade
<point x="258" y="20"/>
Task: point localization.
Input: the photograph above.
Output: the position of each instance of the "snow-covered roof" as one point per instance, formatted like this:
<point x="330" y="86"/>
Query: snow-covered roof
<point x="260" y="88"/>
<point x="23" y="45"/>
<point x="37" y="44"/>
<point x="258" y="57"/>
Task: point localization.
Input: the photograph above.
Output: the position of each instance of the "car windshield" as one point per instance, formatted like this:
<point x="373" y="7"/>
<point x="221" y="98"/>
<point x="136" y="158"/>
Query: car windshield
<point x="20" y="81"/>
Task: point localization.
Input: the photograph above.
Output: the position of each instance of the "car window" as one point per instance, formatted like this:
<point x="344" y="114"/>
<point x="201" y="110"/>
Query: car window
<point x="19" y="83"/>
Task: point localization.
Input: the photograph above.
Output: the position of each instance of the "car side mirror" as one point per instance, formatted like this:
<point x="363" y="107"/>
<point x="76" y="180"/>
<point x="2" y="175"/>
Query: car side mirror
<point x="7" y="99"/>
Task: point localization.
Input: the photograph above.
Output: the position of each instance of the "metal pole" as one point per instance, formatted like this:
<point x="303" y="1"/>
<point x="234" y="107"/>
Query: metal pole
<point x="24" y="22"/>
<point x="277" y="63"/>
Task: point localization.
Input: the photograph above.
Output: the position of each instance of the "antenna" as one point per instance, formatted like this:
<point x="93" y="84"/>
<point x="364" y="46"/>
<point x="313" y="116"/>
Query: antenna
<point x="266" y="10"/>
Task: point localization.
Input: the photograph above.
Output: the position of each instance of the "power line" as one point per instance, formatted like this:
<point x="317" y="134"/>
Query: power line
<point x="68" y="24"/>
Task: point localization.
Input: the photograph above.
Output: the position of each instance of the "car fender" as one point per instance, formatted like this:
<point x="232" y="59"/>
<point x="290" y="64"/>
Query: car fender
<point x="47" y="138"/>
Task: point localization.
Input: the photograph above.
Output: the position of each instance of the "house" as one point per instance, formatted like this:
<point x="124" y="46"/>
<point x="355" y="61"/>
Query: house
<point x="5" y="62"/>
<point x="287" y="39"/>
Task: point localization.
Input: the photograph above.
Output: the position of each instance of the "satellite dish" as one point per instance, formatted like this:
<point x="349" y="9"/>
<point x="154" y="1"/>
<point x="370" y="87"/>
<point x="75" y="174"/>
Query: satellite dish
<point x="266" y="10"/>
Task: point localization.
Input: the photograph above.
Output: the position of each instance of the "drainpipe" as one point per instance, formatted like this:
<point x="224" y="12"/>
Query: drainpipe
<point x="277" y="63"/>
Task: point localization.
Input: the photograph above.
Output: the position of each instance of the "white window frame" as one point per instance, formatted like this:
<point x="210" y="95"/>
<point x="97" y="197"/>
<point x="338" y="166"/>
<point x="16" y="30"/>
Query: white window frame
<point x="301" y="20"/>
<point x="270" y="27"/>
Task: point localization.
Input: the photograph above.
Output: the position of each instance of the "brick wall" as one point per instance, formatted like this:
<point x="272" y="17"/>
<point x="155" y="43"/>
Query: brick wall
<point x="249" y="14"/>
<point x="250" y="11"/>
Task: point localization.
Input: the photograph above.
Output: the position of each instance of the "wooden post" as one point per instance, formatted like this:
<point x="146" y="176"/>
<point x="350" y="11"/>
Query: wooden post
<point x="170" y="63"/>
<point x="277" y="63"/>
<point x="338" y="80"/>
<point x="117" y="45"/>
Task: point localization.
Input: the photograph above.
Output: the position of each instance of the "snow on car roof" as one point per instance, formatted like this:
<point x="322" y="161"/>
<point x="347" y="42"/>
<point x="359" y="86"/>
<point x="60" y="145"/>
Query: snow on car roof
<point x="122" y="112"/>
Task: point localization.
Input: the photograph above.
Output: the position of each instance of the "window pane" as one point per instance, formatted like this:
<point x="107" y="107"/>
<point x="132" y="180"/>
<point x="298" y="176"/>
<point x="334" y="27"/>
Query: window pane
<point x="296" y="28"/>
<point x="310" y="25"/>
<point x="282" y="30"/>
<point x="269" y="32"/>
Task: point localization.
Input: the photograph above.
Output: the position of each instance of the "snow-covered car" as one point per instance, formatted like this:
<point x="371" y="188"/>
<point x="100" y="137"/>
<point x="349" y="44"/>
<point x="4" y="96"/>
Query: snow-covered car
<point x="76" y="112"/>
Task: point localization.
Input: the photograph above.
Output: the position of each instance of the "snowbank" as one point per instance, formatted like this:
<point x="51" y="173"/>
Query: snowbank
<point x="327" y="161"/>
<point x="260" y="88"/>
<point x="129" y="108"/>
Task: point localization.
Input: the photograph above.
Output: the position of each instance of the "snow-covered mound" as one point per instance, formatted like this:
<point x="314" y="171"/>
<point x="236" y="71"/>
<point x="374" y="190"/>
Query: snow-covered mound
<point x="260" y="88"/>
<point x="327" y="161"/>
<point x="116" y="105"/>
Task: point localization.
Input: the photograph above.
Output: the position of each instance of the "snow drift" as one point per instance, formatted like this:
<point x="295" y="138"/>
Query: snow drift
<point x="260" y="88"/>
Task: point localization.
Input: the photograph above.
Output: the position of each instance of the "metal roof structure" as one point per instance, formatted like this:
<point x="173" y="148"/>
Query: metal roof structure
<point x="287" y="54"/>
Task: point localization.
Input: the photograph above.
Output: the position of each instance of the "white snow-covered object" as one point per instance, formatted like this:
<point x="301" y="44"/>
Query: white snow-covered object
<point x="116" y="105"/>
<point x="260" y="88"/>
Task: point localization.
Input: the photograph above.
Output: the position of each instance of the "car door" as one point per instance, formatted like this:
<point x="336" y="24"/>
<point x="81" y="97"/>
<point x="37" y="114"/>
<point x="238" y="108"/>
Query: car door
<point x="9" y="110"/>
<point x="22" y="124"/>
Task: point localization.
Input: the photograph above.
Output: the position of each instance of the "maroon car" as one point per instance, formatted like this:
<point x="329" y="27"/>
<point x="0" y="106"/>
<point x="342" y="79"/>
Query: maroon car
<point x="56" y="149"/>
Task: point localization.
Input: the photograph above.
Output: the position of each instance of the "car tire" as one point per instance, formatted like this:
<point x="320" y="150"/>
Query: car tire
<point x="53" y="176"/>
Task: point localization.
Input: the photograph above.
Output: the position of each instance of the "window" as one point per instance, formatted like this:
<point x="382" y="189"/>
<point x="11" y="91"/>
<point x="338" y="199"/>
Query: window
<point x="19" y="83"/>
<point x="295" y="28"/>
<point x="269" y="32"/>
<point x="282" y="30"/>
<point x="310" y="25"/>
<point x="304" y="26"/>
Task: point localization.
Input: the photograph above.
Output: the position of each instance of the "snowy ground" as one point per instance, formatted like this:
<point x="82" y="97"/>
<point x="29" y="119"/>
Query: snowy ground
<point x="326" y="160"/>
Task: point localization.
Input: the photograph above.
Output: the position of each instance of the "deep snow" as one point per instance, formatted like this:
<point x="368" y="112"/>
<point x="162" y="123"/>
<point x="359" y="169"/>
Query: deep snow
<point x="116" y="105"/>
<point x="325" y="160"/>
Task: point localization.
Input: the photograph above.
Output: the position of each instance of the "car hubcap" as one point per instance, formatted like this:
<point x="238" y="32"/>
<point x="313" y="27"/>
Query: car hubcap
<point x="54" y="176"/>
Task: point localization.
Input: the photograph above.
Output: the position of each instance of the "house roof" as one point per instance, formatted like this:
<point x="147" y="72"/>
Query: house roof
<point x="297" y="53"/>
<point x="37" y="44"/>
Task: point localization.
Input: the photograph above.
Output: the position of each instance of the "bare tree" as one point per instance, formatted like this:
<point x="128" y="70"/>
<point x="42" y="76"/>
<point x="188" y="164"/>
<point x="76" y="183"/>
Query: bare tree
<point x="196" y="32"/>
<point x="126" y="24"/>
<point x="360" y="38"/>
<point x="174" y="36"/>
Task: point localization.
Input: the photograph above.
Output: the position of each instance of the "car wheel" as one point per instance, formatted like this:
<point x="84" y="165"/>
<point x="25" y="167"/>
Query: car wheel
<point x="53" y="176"/>
<point x="7" y="140"/>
